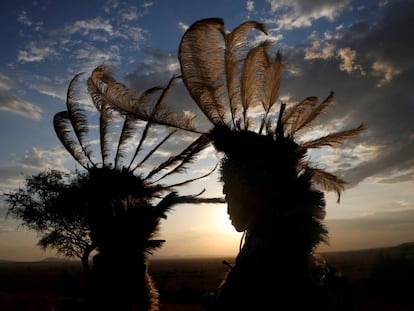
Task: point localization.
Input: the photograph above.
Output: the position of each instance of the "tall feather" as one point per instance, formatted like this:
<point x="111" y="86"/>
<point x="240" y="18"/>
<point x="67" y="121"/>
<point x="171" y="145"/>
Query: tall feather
<point x="295" y="114"/>
<point x="271" y="86"/>
<point x="63" y="129"/>
<point x="127" y="133"/>
<point x="236" y="42"/>
<point x="106" y="91"/>
<point x="334" y="138"/>
<point x="311" y="114"/>
<point x="104" y="138"/>
<point x="328" y="181"/>
<point x="77" y="116"/>
<point x="201" y="55"/>
<point x="253" y="79"/>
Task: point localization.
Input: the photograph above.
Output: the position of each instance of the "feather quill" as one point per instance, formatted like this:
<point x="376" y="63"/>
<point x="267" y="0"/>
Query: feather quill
<point x="157" y="108"/>
<point x="183" y="158"/>
<point x="149" y="154"/>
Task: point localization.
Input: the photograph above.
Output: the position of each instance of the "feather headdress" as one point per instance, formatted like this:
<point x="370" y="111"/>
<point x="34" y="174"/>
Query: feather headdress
<point x="114" y="186"/>
<point x="231" y="78"/>
<point x="235" y="83"/>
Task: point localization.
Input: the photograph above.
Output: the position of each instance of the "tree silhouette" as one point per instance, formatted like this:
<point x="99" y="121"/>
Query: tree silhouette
<point x="39" y="207"/>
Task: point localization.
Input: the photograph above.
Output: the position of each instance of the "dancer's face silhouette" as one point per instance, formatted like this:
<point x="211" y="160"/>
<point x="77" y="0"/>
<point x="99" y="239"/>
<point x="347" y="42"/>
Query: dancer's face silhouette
<point x="241" y="204"/>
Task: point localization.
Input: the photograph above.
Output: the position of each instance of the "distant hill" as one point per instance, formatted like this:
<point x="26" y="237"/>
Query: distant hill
<point x="361" y="261"/>
<point x="409" y="245"/>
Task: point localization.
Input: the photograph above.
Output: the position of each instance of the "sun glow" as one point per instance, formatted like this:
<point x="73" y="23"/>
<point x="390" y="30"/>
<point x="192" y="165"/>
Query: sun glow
<point x="224" y="222"/>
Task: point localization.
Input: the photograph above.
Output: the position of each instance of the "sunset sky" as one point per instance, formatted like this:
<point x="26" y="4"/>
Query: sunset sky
<point x="362" y="50"/>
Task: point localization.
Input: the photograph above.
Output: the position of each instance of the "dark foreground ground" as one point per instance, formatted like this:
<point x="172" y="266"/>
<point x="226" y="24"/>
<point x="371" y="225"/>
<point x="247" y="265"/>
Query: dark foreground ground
<point x="377" y="279"/>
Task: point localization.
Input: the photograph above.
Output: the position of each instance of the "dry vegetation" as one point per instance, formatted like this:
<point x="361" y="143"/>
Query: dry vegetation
<point x="376" y="279"/>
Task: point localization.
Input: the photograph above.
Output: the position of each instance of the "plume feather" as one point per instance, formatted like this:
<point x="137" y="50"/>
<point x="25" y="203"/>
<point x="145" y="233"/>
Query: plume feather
<point x="201" y="55"/>
<point x="333" y="138"/>
<point x="77" y="115"/>
<point x="309" y="115"/>
<point x="61" y="124"/>
<point x="253" y="79"/>
<point x="127" y="133"/>
<point x="104" y="124"/>
<point x="236" y="43"/>
<point x="328" y="181"/>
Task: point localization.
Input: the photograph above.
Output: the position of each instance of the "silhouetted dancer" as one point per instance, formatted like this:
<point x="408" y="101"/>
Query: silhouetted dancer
<point x="122" y="199"/>
<point x="270" y="186"/>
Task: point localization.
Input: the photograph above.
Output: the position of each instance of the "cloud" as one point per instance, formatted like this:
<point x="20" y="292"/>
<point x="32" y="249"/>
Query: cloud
<point x="290" y="14"/>
<point x="10" y="103"/>
<point x="36" y="51"/>
<point x="42" y="159"/>
<point x="347" y="56"/>
<point x="14" y="105"/>
<point x="32" y="162"/>
<point x="385" y="70"/>
<point x="182" y="26"/>
<point x="314" y="52"/>
<point x="392" y="165"/>
<point x="25" y="20"/>
<point x="85" y="27"/>
<point x="250" y="5"/>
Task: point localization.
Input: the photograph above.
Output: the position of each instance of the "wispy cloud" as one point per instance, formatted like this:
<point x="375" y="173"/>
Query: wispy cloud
<point x="290" y="14"/>
<point x="11" y="103"/>
<point x="36" y="51"/>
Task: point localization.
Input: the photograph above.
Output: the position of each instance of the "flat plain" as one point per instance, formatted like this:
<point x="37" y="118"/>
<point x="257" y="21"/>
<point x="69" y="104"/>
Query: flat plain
<point x="376" y="279"/>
